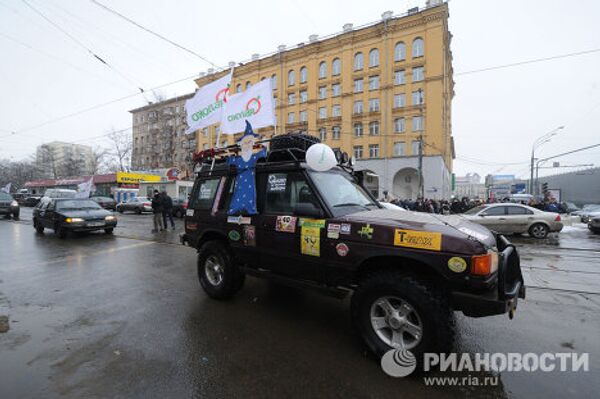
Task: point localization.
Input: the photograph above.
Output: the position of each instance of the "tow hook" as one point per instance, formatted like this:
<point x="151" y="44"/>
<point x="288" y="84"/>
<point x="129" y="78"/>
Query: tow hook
<point x="512" y="308"/>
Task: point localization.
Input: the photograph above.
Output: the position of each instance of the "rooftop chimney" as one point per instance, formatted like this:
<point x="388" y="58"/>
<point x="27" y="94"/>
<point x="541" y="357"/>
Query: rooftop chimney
<point x="387" y="15"/>
<point x="281" y="48"/>
<point x="347" y="27"/>
<point x="255" y="56"/>
<point x="313" y="38"/>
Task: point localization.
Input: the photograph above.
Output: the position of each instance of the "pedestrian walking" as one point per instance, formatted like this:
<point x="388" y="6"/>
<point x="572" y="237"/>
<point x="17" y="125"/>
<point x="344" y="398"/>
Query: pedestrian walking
<point x="167" y="210"/>
<point x="157" y="208"/>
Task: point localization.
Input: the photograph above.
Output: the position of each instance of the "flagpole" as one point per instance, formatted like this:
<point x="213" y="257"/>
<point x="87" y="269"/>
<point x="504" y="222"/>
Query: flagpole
<point x="212" y="165"/>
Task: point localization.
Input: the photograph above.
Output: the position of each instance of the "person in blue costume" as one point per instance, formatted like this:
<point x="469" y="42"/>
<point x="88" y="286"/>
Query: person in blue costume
<point x="244" y="194"/>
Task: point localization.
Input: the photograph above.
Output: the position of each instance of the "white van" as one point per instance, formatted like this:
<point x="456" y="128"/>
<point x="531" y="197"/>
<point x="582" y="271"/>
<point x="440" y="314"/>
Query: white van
<point x="176" y="189"/>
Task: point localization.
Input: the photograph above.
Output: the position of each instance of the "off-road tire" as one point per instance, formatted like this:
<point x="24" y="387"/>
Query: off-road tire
<point x="534" y="234"/>
<point x="429" y="302"/>
<point x="39" y="229"/>
<point x="232" y="277"/>
<point x="15" y="216"/>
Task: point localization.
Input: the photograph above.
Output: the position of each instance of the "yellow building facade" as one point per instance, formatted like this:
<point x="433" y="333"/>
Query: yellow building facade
<point x="372" y="91"/>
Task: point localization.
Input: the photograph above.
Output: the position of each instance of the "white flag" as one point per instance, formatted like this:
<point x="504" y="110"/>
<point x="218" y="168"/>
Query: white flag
<point x="206" y="107"/>
<point x="255" y="105"/>
<point x="6" y="188"/>
<point x="84" y="189"/>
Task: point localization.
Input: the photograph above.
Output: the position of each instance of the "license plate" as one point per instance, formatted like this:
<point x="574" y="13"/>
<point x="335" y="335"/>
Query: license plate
<point x="95" y="224"/>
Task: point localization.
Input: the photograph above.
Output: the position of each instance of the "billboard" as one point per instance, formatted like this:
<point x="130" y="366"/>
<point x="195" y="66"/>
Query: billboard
<point x="135" y="178"/>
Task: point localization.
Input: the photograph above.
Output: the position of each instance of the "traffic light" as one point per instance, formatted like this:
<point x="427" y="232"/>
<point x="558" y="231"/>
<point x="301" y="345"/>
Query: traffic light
<point x="544" y="187"/>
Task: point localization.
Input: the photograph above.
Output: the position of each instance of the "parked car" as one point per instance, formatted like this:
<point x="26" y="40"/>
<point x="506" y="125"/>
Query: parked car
<point x="179" y="207"/>
<point x="60" y="193"/>
<point x="507" y="218"/>
<point x="65" y="215"/>
<point x="407" y="271"/>
<point x="105" y="202"/>
<point x="32" y="200"/>
<point x="594" y="223"/>
<point x="8" y="206"/>
<point x="584" y="213"/>
<point x="135" y="204"/>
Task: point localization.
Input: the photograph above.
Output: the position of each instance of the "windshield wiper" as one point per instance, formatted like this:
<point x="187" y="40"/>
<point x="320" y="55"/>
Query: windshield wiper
<point x="350" y="204"/>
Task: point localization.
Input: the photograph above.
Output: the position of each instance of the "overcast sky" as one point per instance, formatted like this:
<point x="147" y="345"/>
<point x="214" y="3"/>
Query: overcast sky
<point x="496" y="115"/>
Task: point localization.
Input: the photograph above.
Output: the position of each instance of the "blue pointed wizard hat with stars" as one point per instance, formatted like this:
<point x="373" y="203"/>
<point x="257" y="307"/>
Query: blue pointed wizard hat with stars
<point x="248" y="132"/>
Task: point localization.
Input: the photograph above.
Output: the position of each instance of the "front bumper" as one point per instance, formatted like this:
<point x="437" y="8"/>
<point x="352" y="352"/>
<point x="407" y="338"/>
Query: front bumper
<point x="80" y="227"/>
<point x="9" y="210"/>
<point x="504" y="296"/>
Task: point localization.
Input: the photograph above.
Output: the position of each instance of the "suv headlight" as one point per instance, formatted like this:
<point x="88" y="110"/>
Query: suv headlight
<point x="74" y="220"/>
<point x="110" y="218"/>
<point x="14" y="203"/>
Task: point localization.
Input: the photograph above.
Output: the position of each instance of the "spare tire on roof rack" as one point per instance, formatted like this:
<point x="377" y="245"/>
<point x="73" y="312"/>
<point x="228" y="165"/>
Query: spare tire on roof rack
<point x="290" y="147"/>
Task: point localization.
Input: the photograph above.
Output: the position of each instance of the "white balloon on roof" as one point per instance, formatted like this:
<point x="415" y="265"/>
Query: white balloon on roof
<point x="320" y="157"/>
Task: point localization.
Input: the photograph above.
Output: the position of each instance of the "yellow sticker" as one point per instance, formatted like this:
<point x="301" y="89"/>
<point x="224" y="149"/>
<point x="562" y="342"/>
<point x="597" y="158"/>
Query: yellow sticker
<point x="310" y="241"/>
<point x="457" y="265"/>
<point x="418" y="239"/>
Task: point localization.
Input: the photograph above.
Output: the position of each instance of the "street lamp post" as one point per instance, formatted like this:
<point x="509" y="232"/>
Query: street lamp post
<point x="538" y="142"/>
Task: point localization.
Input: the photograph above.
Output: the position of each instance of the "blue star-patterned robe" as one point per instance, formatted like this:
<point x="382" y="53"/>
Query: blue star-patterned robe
<point x="244" y="194"/>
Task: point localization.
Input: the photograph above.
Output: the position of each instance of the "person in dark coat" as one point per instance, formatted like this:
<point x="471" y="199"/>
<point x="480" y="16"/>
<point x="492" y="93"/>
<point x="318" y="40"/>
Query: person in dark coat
<point x="157" y="208"/>
<point x="167" y="210"/>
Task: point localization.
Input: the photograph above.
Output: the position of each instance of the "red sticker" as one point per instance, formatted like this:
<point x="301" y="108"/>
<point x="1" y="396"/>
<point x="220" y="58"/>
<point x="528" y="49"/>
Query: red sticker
<point x="342" y="249"/>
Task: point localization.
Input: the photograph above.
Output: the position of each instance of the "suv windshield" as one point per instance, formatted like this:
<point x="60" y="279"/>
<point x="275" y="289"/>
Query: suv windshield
<point x="76" y="204"/>
<point x="341" y="194"/>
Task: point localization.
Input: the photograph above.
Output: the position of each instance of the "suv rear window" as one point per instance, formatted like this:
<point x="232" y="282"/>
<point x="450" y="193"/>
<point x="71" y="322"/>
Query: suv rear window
<point x="205" y="194"/>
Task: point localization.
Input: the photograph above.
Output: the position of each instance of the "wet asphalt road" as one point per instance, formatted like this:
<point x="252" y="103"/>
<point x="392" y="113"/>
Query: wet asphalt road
<point x="124" y="316"/>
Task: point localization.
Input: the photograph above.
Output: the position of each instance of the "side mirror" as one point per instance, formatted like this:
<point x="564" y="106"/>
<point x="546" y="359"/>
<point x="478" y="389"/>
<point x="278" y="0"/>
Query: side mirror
<point x="308" y="209"/>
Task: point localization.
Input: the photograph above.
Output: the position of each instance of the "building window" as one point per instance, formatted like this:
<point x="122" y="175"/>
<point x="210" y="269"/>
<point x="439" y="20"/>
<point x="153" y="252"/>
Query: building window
<point x="224" y="144"/>
<point x="418" y="48"/>
<point x="415" y="147"/>
<point x="336" y="110"/>
<point x="417" y="123"/>
<point x="358" y="130"/>
<point x="322" y="113"/>
<point x="303" y="75"/>
<point x="303" y="96"/>
<point x="399" y="148"/>
<point x="418" y="74"/>
<point x="248" y="85"/>
<point x="418" y="97"/>
<point x="374" y="82"/>
<point x="399" y="77"/>
<point x="274" y="81"/>
<point x="374" y="128"/>
<point x="238" y="88"/>
<point x="336" y="90"/>
<point x="359" y="61"/>
<point x="358" y="152"/>
<point x="291" y="117"/>
<point x="291" y="78"/>
<point x="373" y="105"/>
<point x="323" y="134"/>
<point x="358" y="85"/>
<point x="205" y="132"/>
<point x="322" y="70"/>
<point x="336" y="132"/>
<point x="336" y="67"/>
<point x="291" y="98"/>
<point x="303" y="116"/>
<point x="399" y="100"/>
<point x="322" y="92"/>
<point x="358" y="107"/>
<point x="400" y="51"/>
<point x="399" y="125"/>
<point x="373" y="150"/>
<point x="374" y="58"/>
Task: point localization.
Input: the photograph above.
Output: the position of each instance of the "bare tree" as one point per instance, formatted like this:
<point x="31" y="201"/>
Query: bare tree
<point x="17" y="172"/>
<point x="98" y="160"/>
<point x="121" y="145"/>
<point x="46" y="162"/>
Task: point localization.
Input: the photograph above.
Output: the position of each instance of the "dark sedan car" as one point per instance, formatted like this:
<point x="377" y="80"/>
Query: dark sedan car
<point x="105" y="202"/>
<point x="72" y="215"/>
<point x="8" y="206"/>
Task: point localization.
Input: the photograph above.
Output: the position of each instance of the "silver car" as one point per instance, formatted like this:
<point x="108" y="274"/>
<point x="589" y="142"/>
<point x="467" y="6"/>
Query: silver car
<point x="506" y="218"/>
<point x="594" y="222"/>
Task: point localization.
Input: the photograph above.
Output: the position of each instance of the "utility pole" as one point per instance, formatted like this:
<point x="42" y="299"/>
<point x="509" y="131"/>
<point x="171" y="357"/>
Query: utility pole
<point x="421" y="185"/>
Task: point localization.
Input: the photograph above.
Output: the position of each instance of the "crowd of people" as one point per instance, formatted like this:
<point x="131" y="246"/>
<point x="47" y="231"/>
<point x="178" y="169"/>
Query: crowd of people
<point x="461" y="205"/>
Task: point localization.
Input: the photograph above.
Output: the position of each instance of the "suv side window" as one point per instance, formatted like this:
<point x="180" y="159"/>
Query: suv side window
<point x="205" y="193"/>
<point x="285" y="190"/>
<point x="495" y="211"/>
